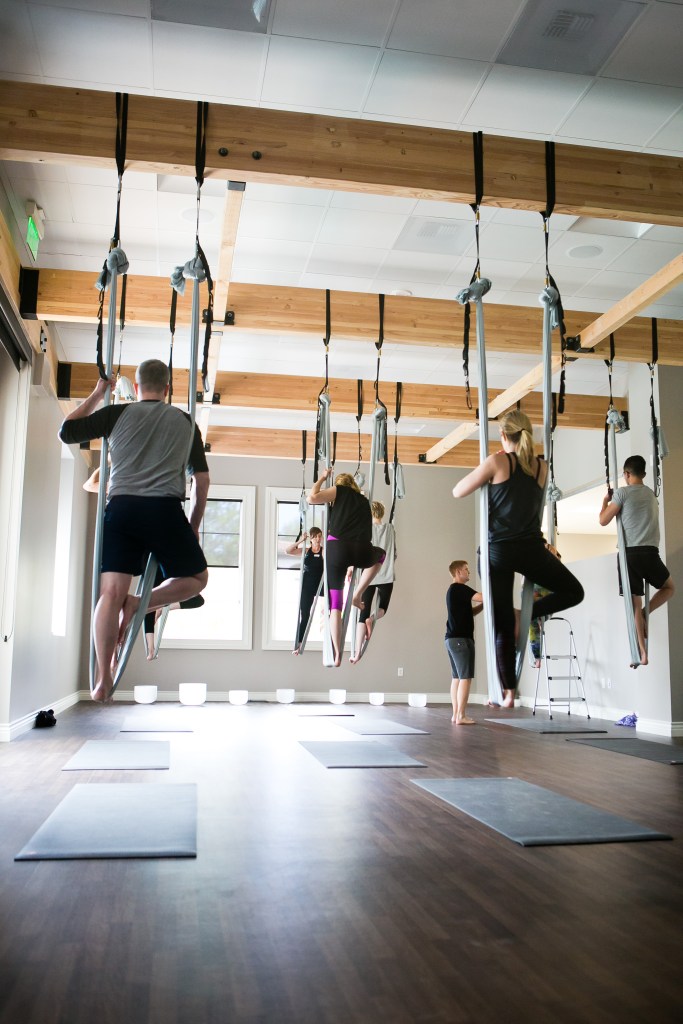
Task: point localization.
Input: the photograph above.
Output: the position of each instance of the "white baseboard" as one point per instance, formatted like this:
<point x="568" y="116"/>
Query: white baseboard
<point x="10" y="730"/>
<point x="268" y="696"/>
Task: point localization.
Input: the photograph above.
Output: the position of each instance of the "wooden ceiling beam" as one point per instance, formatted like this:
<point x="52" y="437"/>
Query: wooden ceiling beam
<point x="53" y="124"/>
<point x="420" y="401"/>
<point x="68" y="296"/>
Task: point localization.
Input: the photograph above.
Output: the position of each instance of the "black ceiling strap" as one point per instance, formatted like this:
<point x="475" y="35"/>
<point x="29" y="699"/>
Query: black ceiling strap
<point x="399" y="399"/>
<point x="379" y="343"/>
<point x="100" y="316"/>
<point x="334" y="447"/>
<point x="653" y="413"/>
<point x="122" y="319"/>
<point x="326" y="341"/>
<point x="608" y="363"/>
<point x="359" y="416"/>
<point x="121" y="134"/>
<point x="478" y="148"/>
<point x="550" y="194"/>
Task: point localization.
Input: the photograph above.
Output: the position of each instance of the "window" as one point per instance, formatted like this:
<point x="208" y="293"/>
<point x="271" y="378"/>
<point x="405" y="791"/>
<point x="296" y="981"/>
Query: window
<point x="227" y="537"/>
<point x="282" y="571"/>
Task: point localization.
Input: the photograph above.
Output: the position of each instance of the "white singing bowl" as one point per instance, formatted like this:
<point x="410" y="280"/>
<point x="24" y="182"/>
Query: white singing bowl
<point x="285" y="696"/>
<point x="238" y="696"/>
<point x="376" y="698"/>
<point x="145" y="694"/>
<point x="417" y="700"/>
<point x="337" y="696"/>
<point x="192" y="693"/>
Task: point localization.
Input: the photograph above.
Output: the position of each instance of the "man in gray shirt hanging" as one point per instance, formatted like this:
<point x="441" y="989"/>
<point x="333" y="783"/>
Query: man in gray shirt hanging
<point x="639" y="510"/>
<point x="149" y="442"/>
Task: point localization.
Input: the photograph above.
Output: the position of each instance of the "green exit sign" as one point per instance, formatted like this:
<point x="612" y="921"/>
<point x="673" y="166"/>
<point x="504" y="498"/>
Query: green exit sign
<point x="32" y="237"/>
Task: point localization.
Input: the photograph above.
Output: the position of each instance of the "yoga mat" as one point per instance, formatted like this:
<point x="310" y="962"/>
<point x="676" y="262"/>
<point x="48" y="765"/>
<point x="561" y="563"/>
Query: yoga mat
<point x="107" y="820"/>
<point x="533" y="816"/>
<point x="112" y="755"/>
<point x="544" y="725"/>
<point x="383" y="727"/>
<point x="324" y="710"/>
<point x="650" y="750"/>
<point x="359" y="754"/>
<point x="171" y="720"/>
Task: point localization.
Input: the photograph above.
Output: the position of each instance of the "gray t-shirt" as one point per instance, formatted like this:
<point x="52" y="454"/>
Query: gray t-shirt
<point x="384" y="536"/>
<point x="639" y="515"/>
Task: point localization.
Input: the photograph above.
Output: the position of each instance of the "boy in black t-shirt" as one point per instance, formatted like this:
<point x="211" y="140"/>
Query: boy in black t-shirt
<point x="463" y="603"/>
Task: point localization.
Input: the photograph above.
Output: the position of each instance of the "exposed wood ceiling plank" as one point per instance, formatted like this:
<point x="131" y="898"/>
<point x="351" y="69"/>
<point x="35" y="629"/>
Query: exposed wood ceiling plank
<point x="421" y="401"/>
<point x="68" y="296"/>
<point x="45" y="123"/>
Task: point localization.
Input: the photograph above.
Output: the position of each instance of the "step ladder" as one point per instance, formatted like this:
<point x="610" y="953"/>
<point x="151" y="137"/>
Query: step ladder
<point x="574" y="692"/>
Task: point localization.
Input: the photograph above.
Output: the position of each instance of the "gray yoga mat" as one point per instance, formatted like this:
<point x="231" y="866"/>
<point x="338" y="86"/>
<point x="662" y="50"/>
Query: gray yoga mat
<point x="359" y="754"/>
<point x="383" y="727"/>
<point x="165" y="720"/>
<point x="650" y="750"/>
<point x="111" y="820"/>
<point x="323" y="710"/>
<point x="533" y="816"/>
<point x="546" y="726"/>
<point x="113" y="755"/>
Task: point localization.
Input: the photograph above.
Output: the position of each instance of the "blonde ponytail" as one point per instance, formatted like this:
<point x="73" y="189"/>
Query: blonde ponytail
<point x="517" y="428"/>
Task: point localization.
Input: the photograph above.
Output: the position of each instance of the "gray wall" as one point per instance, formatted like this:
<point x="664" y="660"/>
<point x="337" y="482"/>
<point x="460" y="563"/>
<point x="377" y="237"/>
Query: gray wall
<point x="670" y="390"/>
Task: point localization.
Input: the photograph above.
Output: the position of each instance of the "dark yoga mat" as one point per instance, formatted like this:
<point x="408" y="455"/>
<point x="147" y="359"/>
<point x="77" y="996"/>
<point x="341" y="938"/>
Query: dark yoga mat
<point x="323" y="710"/>
<point x="108" y="820"/>
<point x="650" y="750"/>
<point x="359" y="754"/>
<point x="533" y="816"/>
<point x="383" y="727"/>
<point x="545" y="726"/>
<point x="115" y="755"/>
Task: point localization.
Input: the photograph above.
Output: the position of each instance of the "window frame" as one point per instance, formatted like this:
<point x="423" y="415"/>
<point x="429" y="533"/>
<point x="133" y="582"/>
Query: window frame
<point x="247" y="495"/>
<point x="268" y="642"/>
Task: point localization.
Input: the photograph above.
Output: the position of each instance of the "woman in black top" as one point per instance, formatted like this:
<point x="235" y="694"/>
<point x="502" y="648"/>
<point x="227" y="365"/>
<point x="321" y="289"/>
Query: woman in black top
<point x="516" y="481"/>
<point x="349" y="543"/>
<point x="312" y="572"/>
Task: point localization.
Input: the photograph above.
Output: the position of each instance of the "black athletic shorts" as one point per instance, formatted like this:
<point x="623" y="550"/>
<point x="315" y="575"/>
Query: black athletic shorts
<point x="134" y="526"/>
<point x="644" y="563"/>
<point x="341" y="554"/>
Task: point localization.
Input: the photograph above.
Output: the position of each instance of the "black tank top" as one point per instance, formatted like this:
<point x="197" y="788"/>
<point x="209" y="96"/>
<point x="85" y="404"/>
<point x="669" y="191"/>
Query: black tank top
<point x="515" y="505"/>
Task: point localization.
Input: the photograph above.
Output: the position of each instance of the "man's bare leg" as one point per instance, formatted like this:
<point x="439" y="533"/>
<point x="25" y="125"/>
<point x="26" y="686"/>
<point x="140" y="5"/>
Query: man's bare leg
<point x="460" y="693"/>
<point x="367" y="576"/>
<point x="171" y="591"/>
<point x="640" y="628"/>
<point x="113" y="591"/>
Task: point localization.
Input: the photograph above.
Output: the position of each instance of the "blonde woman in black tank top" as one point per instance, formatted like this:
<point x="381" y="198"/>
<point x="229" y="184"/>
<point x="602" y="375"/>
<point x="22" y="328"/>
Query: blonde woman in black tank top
<point x="516" y="479"/>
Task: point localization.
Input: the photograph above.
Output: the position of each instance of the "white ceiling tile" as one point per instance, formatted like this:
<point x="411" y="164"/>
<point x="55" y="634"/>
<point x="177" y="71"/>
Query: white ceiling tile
<point x="108" y="178"/>
<point x="664" y="311"/>
<point x="328" y="74"/>
<point x="531" y="219"/>
<point x="670" y="137"/>
<point x="58" y="261"/>
<point x="419" y="289"/>
<point x="378" y="204"/>
<point x="503" y="274"/>
<point x="178" y="213"/>
<point x="207" y="61"/>
<point x="452" y="211"/>
<point x="106" y="48"/>
<point x="279" y="220"/>
<point x="342" y="284"/>
<point x="20" y="173"/>
<point x="568" y="279"/>
<point x="416" y="85"/>
<point x="624" y="112"/>
<point x="95" y="205"/>
<point x="287" y="194"/>
<point x="662" y="233"/>
<point x="431" y="235"/>
<point x="284" y="278"/>
<point x="573" y="249"/>
<point x="18" y="50"/>
<point x="345" y="260"/>
<point x="646" y="257"/>
<point x="69" y="239"/>
<point x="503" y="242"/>
<point x="52" y="196"/>
<point x="423" y="267"/>
<point x="353" y="21"/>
<point x="612" y="285"/>
<point x="652" y="50"/>
<point x="139" y="8"/>
<point x="251" y="254"/>
<point x="361" y="228"/>
<point x="470" y="28"/>
<point x="524" y="99"/>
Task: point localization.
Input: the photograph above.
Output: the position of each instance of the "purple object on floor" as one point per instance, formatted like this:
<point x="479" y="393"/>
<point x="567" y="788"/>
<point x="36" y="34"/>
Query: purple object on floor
<point x="629" y="720"/>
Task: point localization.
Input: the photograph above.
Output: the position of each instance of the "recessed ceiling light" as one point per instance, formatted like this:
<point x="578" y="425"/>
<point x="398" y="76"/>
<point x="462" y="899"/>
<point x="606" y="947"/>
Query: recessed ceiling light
<point x="585" y="252"/>
<point x="401" y="291"/>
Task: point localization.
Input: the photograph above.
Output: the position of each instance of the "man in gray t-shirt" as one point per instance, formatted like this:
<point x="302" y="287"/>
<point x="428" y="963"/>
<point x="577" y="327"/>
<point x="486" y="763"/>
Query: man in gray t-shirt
<point x="638" y="508"/>
<point x="149" y="444"/>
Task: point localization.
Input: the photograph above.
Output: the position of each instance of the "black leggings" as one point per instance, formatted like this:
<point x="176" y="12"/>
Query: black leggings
<point x="308" y="592"/>
<point x="385" y="590"/>
<point x="532" y="559"/>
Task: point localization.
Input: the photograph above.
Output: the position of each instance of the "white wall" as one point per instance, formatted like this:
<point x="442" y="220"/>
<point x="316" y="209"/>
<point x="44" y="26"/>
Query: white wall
<point x="432" y="530"/>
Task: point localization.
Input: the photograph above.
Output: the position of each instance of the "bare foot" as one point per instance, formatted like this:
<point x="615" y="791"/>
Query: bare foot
<point x="492" y="704"/>
<point x="357" y="601"/>
<point x="103" y="693"/>
<point x="296" y="651"/>
<point x="537" y="663"/>
<point x="464" y="721"/>
<point x="509" y="701"/>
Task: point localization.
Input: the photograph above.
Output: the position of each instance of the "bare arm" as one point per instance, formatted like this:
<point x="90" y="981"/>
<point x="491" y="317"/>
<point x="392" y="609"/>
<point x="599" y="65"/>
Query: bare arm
<point x="319" y="495"/>
<point x="477" y="603"/>
<point x="609" y="511"/>
<point x="293" y="549"/>
<point x="479" y="476"/>
<point x="199" y="490"/>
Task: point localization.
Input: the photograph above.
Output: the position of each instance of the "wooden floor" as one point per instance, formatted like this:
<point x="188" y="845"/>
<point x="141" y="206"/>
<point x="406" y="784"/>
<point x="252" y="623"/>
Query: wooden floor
<point x="341" y="896"/>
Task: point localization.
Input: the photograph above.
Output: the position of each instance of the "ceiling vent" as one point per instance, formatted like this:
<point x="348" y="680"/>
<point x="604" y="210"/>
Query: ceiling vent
<point x="569" y="25"/>
<point x="428" y="234"/>
<point x="551" y="37"/>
